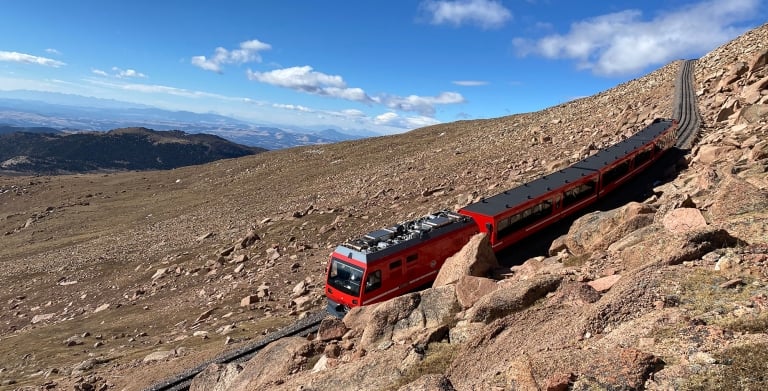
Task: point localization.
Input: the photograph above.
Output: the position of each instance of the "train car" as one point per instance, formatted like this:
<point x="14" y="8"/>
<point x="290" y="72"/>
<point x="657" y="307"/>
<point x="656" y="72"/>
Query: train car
<point x="392" y="261"/>
<point x="395" y="260"/>
<point x="512" y="215"/>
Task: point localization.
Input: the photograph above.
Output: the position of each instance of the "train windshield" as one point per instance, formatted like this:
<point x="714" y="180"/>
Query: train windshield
<point x="345" y="277"/>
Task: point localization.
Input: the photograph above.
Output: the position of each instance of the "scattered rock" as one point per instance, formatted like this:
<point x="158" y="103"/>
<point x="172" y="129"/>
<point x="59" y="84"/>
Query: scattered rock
<point x="331" y="329"/>
<point x="470" y="289"/>
<point x="732" y="283"/>
<point x="226" y="251"/>
<point x="102" y="307"/>
<point x="205" y="315"/>
<point x="605" y="283"/>
<point x="511" y="298"/>
<point x="216" y="377"/>
<point x="683" y="220"/>
<point x="159" y="355"/>
<point x="42" y="317"/>
<point x="249" y="300"/>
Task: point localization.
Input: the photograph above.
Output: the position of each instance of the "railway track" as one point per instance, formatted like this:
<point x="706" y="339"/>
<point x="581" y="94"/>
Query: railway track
<point x="686" y="107"/>
<point x="302" y="327"/>
<point x="685" y="111"/>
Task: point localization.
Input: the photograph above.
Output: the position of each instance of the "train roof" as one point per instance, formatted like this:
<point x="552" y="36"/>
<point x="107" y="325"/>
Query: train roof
<point x="615" y="152"/>
<point x="384" y="242"/>
<point x="501" y="202"/>
<point x="507" y="199"/>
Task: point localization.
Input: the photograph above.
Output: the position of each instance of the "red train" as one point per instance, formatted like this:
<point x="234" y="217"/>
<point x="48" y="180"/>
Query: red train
<point x="404" y="257"/>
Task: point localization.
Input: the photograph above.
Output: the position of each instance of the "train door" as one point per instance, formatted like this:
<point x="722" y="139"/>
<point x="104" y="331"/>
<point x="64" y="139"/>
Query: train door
<point x="412" y="268"/>
<point x="396" y="274"/>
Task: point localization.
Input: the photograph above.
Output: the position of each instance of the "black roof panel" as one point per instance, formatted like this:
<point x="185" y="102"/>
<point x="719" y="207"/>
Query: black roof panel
<point x="500" y="202"/>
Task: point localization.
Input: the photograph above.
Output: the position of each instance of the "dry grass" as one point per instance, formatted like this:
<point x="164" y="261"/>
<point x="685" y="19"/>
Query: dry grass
<point x="742" y="367"/>
<point x="438" y="358"/>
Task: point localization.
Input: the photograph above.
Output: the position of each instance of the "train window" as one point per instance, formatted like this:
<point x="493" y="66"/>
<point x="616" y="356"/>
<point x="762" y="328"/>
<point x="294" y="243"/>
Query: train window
<point x="374" y="281"/>
<point x="503" y="223"/>
<point x="527" y="217"/>
<point x="642" y="157"/>
<point x="578" y="193"/>
<point x="395" y="264"/>
<point x="411" y="258"/>
<point x="345" y="277"/>
<point x="616" y="172"/>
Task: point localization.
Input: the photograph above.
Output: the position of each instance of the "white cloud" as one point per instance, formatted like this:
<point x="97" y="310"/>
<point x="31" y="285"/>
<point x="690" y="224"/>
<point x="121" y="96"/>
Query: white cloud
<point x="29" y="59"/>
<point x="126" y="73"/>
<point x="395" y="120"/>
<point x="53" y="51"/>
<point x="161" y="89"/>
<point x="624" y="43"/>
<point x="386" y="118"/>
<point x="352" y="113"/>
<point x="470" y="83"/>
<point x="119" y="73"/>
<point x="248" y="52"/>
<point x="485" y="13"/>
<point x="424" y="105"/>
<point x="308" y="80"/>
<point x="292" y="107"/>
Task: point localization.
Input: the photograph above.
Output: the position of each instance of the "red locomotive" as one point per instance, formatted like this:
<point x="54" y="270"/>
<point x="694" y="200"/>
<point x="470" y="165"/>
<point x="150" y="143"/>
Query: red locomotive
<point x="395" y="260"/>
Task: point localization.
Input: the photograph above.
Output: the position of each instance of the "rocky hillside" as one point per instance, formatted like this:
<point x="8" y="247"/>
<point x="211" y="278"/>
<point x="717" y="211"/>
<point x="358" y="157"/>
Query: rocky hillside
<point x="34" y="151"/>
<point x="108" y="276"/>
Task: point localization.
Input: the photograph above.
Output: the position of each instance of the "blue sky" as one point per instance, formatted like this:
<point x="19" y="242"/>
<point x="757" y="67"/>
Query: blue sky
<point x="382" y="66"/>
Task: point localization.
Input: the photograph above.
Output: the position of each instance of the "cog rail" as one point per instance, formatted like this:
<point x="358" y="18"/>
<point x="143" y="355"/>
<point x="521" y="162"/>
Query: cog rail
<point x="686" y="107"/>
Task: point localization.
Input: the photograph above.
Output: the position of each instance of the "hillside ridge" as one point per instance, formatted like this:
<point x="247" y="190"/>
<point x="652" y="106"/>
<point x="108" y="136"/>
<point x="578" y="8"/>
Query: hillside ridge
<point x="45" y="152"/>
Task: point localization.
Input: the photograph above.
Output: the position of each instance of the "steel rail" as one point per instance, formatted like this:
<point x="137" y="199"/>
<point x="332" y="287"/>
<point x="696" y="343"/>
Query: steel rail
<point x="686" y="107"/>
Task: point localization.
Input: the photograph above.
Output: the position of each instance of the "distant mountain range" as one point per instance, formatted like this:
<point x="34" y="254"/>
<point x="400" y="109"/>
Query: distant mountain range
<point x="33" y="109"/>
<point x="35" y="151"/>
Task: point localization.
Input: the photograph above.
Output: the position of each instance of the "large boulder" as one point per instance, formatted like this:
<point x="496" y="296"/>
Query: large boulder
<point x="380" y="370"/>
<point x="682" y="220"/>
<point x="753" y="114"/>
<point x="512" y="298"/>
<point x="624" y="369"/>
<point x="476" y="258"/>
<point x="537" y="266"/>
<point x="709" y="154"/>
<point x="663" y="248"/>
<point x="216" y="377"/>
<point x="470" y="289"/>
<point x="271" y="365"/>
<point x="404" y="317"/>
<point x="752" y="93"/>
<point x="737" y="197"/>
<point x="597" y="230"/>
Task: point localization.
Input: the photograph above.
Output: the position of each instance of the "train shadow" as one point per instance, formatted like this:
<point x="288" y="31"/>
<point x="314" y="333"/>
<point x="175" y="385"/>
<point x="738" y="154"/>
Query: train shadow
<point x="638" y="189"/>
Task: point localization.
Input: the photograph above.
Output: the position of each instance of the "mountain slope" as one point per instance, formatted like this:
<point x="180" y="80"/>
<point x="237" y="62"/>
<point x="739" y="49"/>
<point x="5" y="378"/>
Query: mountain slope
<point x="120" y="149"/>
